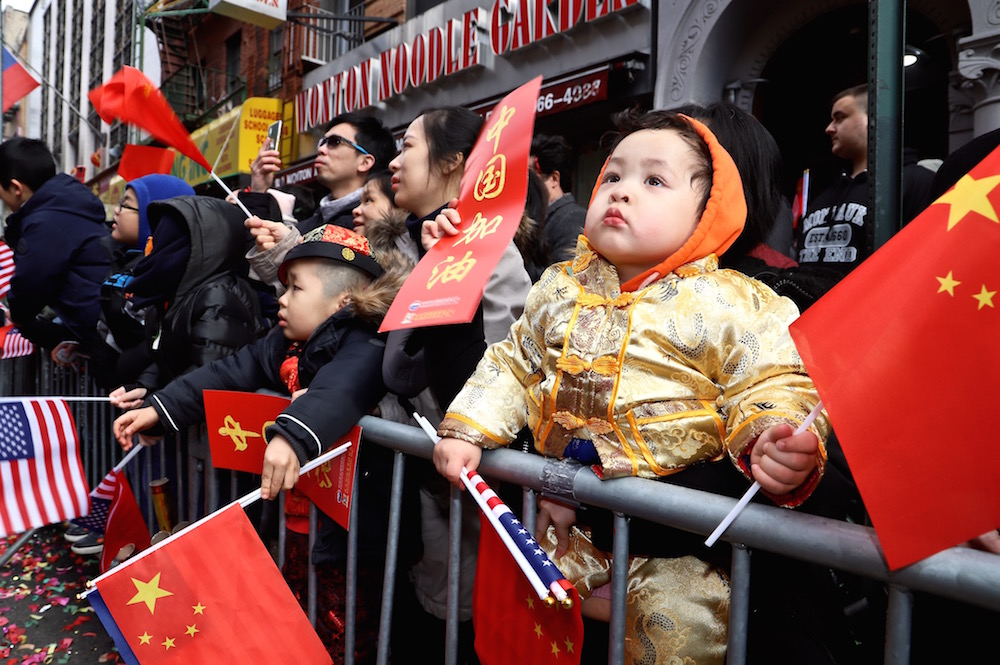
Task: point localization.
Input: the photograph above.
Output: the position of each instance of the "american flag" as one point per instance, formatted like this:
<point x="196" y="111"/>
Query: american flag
<point x="550" y="576"/>
<point x="6" y="267"/>
<point x="100" y="504"/>
<point x="13" y="344"/>
<point x="41" y="476"/>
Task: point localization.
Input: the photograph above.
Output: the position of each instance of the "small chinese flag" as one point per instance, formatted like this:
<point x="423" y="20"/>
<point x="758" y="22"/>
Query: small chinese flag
<point x="903" y="354"/>
<point x="140" y="160"/>
<point x="236" y="423"/>
<point x="331" y="485"/>
<point x="132" y="98"/>
<point x="513" y="626"/>
<point x="125" y="524"/>
<point x="212" y="594"/>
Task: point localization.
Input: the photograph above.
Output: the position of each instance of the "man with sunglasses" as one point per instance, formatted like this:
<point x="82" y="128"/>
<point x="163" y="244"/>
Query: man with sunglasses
<point x="55" y="231"/>
<point x="352" y="145"/>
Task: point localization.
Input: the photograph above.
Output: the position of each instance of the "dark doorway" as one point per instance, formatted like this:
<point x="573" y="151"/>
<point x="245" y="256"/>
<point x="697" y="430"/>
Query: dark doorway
<point x="829" y="55"/>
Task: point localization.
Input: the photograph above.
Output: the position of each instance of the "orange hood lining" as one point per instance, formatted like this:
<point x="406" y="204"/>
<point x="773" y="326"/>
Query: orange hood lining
<point x="721" y="223"/>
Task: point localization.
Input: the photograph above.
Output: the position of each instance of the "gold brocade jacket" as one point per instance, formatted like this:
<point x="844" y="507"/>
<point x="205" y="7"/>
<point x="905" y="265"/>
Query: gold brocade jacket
<point x="690" y="368"/>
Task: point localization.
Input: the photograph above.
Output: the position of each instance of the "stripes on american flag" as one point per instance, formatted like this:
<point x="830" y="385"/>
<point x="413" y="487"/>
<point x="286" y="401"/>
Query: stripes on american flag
<point x="100" y="504"/>
<point x="41" y="476"/>
<point x="6" y="267"/>
<point x="13" y="344"/>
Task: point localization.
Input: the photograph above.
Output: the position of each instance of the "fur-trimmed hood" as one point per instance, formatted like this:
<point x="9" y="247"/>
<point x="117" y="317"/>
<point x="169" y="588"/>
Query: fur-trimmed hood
<point x="396" y="253"/>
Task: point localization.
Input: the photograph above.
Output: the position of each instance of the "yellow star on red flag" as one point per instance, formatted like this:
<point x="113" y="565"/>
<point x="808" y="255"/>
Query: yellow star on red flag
<point x="948" y="283"/>
<point x="985" y="297"/>
<point x="970" y="195"/>
<point x="148" y="592"/>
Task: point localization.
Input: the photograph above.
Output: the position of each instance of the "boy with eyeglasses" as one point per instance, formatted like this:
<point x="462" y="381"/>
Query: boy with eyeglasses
<point x="352" y="146"/>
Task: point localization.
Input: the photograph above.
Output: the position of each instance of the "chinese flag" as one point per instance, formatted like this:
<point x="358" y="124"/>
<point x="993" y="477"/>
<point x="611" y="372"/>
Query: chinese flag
<point x="903" y="353"/>
<point x="140" y="160"/>
<point x="512" y="625"/>
<point x="331" y="485"/>
<point x="132" y="98"/>
<point x="125" y="523"/>
<point x="210" y="594"/>
<point x="236" y="423"/>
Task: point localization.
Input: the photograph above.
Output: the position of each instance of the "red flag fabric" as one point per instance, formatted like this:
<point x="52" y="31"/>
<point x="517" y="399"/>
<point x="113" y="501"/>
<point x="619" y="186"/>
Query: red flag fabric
<point x="41" y="476"/>
<point x="512" y="625"/>
<point x="236" y="423"/>
<point x="17" y="81"/>
<point x="132" y="98"/>
<point x="331" y="485"/>
<point x="13" y="344"/>
<point x="125" y="524"/>
<point x="140" y="160"/>
<point x="902" y="354"/>
<point x="210" y="594"/>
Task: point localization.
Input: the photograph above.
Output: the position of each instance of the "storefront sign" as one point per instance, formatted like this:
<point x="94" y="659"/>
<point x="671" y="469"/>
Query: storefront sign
<point x="446" y="50"/>
<point x="265" y="13"/>
<point x="231" y="142"/>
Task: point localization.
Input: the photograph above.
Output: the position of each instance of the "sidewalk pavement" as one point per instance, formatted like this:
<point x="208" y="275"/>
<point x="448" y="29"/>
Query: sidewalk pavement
<point x="40" y="617"/>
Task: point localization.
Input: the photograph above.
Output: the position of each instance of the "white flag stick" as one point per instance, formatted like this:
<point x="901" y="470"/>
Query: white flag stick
<point x="128" y="457"/>
<point x="750" y="493"/>
<point x="515" y="551"/>
<point x="243" y="502"/>
<point x="65" y="398"/>
<point x="229" y="193"/>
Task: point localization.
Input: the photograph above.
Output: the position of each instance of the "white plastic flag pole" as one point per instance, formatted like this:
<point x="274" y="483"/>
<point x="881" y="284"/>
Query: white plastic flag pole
<point x="522" y="563"/>
<point x="750" y="493"/>
<point x="229" y="193"/>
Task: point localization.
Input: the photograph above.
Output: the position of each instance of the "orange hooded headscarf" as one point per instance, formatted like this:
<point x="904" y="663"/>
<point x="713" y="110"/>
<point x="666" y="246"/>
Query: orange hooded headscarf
<point x="721" y="223"/>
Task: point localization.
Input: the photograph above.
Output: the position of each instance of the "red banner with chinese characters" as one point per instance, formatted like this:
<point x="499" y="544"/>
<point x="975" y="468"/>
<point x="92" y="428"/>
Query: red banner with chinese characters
<point x="447" y="284"/>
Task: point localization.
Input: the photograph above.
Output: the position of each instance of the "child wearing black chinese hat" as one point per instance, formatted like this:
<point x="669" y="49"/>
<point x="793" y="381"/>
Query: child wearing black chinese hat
<point x="324" y="351"/>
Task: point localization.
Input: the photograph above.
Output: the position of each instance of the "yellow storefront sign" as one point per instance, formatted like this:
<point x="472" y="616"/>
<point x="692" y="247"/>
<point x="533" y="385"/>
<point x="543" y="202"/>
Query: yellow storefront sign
<point x="230" y="143"/>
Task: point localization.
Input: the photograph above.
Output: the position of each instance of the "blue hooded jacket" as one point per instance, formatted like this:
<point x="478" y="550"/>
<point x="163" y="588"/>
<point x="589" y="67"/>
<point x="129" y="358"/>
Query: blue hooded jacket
<point x="59" y="261"/>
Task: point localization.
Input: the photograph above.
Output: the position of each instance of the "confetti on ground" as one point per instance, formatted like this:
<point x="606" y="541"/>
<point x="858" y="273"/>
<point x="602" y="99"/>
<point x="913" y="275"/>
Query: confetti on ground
<point x="41" y="620"/>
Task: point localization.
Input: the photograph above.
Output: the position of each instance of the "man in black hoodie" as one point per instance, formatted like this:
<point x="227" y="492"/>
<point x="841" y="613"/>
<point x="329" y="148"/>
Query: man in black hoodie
<point x="55" y="231"/>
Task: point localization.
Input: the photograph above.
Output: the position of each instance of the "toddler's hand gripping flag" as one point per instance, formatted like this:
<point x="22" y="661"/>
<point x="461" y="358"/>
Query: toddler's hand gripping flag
<point x="903" y="354"/>
<point x="17" y="81"/>
<point x="210" y="594"/>
<point x="41" y="477"/>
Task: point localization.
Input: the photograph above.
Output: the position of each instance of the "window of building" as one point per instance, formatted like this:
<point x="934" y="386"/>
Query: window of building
<point x="58" y="78"/>
<point x="233" y="82"/>
<point x="124" y="36"/>
<point x="274" y="59"/>
<point x="47" y="72"/>
<point x="96" y="61"/>
<point x="76" y="56"/>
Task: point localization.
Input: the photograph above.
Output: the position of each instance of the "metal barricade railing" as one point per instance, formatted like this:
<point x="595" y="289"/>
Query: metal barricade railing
<point x="961" y="574"/>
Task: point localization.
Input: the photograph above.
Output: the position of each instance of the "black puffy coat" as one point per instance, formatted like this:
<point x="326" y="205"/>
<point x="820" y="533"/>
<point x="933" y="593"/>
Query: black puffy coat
<point x="214" y="310"/>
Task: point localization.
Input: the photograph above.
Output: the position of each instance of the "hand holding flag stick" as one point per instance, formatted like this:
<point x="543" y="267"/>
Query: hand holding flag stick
<point x="243" y="501"/>
<point x="493" y="508"/>
<point x="750" y="493"/>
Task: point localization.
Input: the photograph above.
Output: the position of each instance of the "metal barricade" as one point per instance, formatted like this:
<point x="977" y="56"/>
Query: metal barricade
<point x="961" y="574"/>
